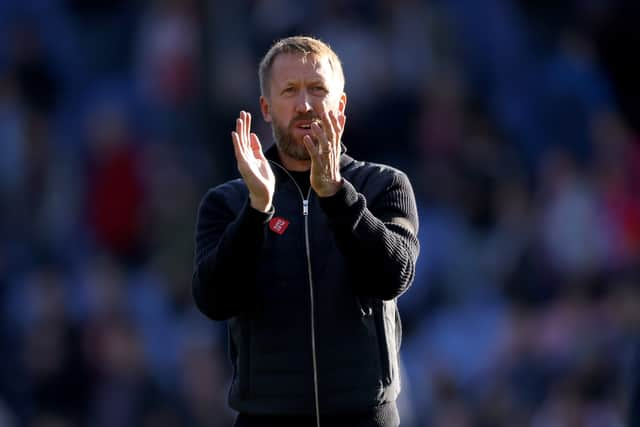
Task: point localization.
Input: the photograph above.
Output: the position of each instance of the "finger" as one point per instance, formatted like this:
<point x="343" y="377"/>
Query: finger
<point x="247" y="127"/>
<point x="243" y="134"/>
<point x="337" y="128"/>
<point x="240" y="131"/>
<point x="256" y="147"/>
<point x="246" y="140"/>
<point x="311" y="148"/>
<point x="342" y="119"/>
<point x="326" y="124"/>
<point x="334" y="122"/>
<point x="237" y="147"/>
<point x="321" y="137"/>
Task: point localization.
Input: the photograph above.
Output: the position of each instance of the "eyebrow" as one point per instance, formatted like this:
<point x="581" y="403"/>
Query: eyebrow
<point x="317" y="80"/>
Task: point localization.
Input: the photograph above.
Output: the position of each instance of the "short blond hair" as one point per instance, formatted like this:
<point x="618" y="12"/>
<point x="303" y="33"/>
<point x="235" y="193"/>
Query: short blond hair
<point x="303" y="45"/>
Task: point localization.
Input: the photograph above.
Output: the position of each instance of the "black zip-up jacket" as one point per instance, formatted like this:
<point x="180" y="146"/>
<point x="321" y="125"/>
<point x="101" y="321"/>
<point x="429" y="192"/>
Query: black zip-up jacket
<point x="323" y="275"/>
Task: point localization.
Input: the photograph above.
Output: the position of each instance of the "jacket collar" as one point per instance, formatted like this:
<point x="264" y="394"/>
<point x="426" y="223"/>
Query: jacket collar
<point x="345" y="160"/>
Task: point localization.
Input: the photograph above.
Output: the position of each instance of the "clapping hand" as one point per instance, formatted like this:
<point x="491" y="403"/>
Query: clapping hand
<point x="325" y="153"/>
<point x="252" y="164"/>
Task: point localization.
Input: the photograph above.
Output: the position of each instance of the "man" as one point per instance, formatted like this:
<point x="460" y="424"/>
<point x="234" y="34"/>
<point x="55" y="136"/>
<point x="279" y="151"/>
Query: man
<point x="305" y="256"/>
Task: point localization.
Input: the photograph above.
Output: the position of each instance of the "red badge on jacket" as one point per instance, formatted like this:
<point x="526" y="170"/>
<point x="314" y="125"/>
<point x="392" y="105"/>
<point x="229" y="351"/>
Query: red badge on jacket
<point x="278" y="225"/>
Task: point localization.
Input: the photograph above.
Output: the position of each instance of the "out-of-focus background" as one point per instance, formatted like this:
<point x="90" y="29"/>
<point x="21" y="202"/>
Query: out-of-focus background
<point x="517" y="121"/>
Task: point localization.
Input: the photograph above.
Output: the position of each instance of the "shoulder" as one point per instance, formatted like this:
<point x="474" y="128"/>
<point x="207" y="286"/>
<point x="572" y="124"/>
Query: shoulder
<point x="377" y="174"/>
<point x="229" y="188"/>
<point x="231" y="194"/>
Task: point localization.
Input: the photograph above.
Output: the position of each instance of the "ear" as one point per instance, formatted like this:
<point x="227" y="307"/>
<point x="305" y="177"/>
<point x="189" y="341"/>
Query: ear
<point x="264" y="107"/>
<point x="342" y="103"/>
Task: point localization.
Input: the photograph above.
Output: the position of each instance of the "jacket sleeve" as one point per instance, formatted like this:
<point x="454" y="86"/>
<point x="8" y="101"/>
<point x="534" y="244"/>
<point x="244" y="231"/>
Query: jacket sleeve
<point x="227" y="246"/>
<point x="378" y="237"/>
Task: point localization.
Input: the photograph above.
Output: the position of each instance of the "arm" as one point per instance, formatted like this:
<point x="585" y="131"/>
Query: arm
<point x="228" y="245"/>
<point x="379" y="240"/>
<point x="227" y="248"/>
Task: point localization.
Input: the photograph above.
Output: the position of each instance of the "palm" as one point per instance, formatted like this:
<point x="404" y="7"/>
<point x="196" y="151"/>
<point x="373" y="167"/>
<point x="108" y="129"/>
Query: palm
<point x="252" y="165"/>
<point x="255" y="169"/>
<point x="325" y="154"/>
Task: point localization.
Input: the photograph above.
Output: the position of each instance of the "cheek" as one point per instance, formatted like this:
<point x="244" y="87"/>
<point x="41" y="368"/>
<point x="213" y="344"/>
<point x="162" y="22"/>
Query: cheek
<point x="284" y="123"/>
<point x="280" y="116"/>
<point x="326" y="104"/>
<point x="333" y="103"/>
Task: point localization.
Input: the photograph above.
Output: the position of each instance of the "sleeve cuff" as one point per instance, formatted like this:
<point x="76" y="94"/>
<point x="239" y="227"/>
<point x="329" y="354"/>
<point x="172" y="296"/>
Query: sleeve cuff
<point x="251" y="216"/>
<point x="341" y="202"/>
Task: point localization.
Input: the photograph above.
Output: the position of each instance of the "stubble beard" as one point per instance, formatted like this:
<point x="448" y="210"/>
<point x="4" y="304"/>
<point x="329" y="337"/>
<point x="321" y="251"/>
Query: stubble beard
<point x="287" y="144"/>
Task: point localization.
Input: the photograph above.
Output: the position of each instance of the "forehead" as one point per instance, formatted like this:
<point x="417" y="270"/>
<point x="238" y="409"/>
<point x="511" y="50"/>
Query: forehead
<point x="296" y="66"/>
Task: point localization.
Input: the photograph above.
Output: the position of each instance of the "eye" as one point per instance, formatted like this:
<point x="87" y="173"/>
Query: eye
<point x="289" y="90"/>
<point x="319" y="90"/>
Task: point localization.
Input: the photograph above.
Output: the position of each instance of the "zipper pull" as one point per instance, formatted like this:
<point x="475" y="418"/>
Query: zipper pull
<point x="305" y="207"/>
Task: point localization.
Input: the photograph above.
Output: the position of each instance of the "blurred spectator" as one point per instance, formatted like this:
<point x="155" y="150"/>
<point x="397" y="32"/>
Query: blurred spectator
<point x="573" y="235"/>
<point x="123" y="392"/>
<point x="39" y="86"/>
<point x="575" y="90"/>
<point x="168" y="52"/>
<point x="13" y="162"/>
<point x="51" y="356"/>
<point x="171" y="218"/>
<point x="103" y="30"/>
<point x="409" y="27"/>
<point x="615" y="169"/>
<point x="633" y="411"/>
<point x="203" y="385"/>
<point x="517" y="119"/>
<point x="115" y="193"/>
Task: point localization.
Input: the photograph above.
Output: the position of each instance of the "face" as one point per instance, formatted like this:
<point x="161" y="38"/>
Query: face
<point x="299" y="91"/>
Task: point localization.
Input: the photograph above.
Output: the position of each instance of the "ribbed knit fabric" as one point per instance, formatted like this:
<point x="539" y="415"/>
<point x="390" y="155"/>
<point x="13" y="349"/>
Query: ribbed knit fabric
<point x="365" y="246"/>
<point x="381" y="240"/>
<point x="377" y="240"/>
<point x="242" y="238"/>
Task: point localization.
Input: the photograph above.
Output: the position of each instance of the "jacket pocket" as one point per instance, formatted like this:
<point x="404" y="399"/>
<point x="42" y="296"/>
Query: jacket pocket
<point x="240" y="353"/>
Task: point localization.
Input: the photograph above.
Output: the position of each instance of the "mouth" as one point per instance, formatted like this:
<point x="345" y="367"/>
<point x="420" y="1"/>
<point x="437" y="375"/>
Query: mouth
<point x="306" y="124"/>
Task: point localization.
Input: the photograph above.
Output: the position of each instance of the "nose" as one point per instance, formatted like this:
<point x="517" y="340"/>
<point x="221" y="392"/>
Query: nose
<point x="303" y="105"/>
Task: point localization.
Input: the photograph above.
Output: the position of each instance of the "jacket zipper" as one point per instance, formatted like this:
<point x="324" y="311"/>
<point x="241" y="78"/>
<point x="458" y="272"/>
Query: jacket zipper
<point x="314" y="356"/>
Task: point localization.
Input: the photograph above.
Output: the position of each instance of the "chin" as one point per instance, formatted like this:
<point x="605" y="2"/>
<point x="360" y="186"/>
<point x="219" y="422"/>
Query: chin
<point x="299" y="154"/>
<point x="295" y="150"/>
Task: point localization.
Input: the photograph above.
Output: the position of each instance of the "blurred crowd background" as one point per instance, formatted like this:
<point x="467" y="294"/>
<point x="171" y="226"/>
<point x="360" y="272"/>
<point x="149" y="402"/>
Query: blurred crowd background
<point x="516" y="120"/>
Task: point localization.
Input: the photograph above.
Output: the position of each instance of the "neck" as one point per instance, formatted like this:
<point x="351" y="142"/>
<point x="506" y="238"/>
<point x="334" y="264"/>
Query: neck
<point x="294" y="164"/>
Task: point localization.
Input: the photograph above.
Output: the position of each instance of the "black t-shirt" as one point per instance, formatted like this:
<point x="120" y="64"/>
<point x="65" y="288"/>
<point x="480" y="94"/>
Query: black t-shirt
<point x="303" y="181"/>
